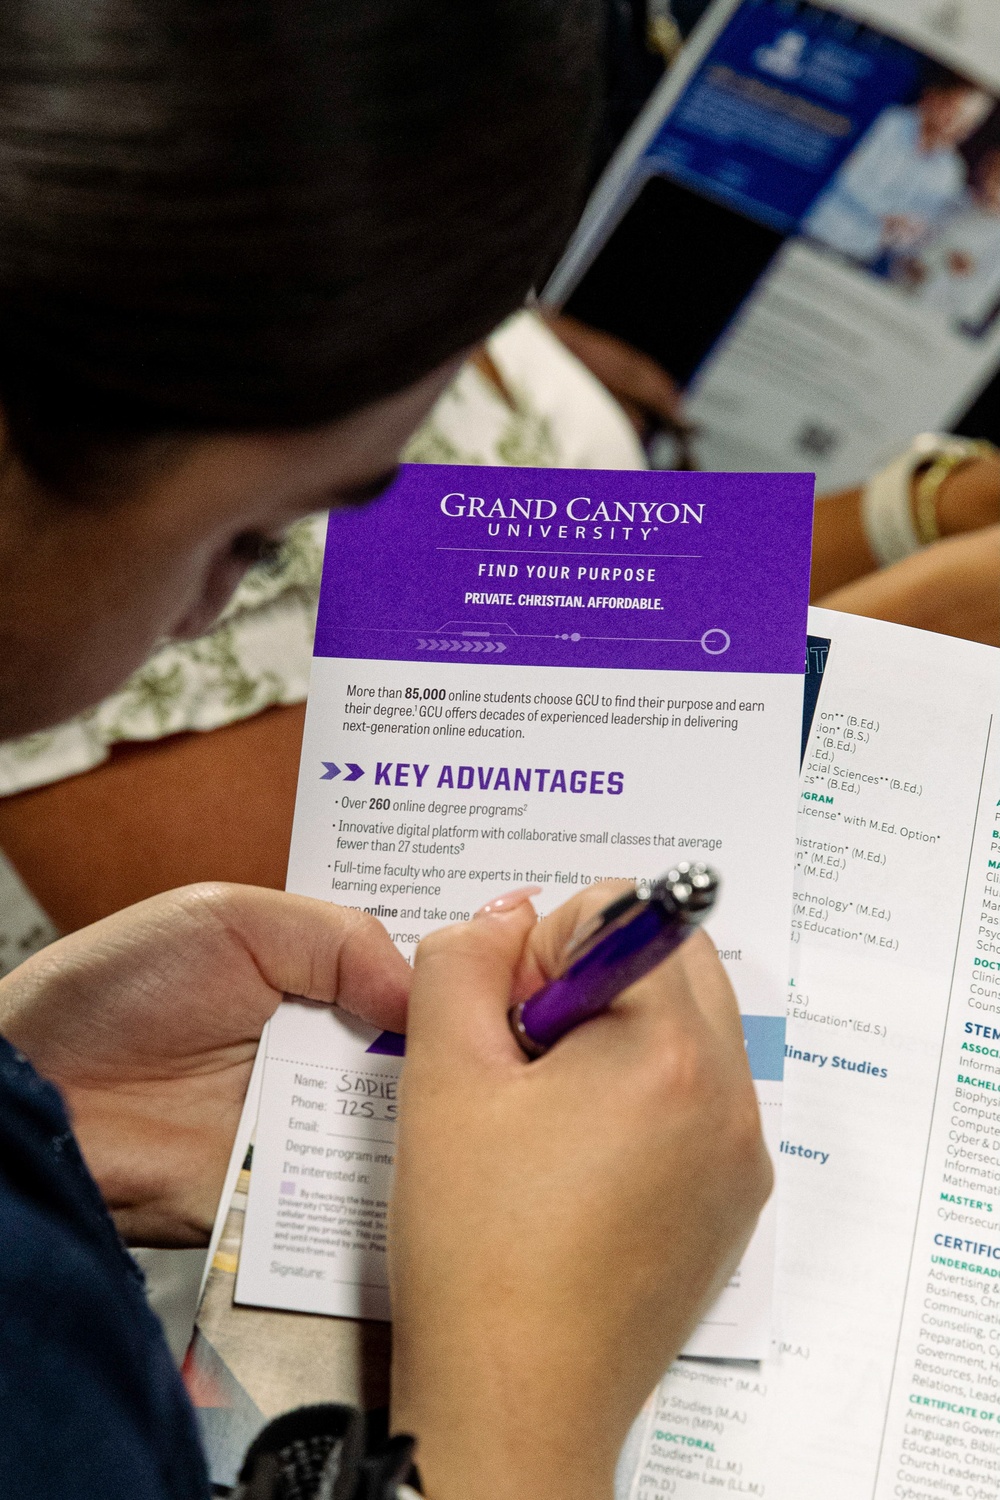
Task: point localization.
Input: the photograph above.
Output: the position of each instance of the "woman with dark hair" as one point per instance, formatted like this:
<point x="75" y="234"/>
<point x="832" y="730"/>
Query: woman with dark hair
<point x="243" y="245"/>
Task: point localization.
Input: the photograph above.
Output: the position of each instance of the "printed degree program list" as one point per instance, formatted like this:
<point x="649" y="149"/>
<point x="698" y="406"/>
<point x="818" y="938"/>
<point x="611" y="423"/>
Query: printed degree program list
<point x="456" y="748"/>
<point x="444" y="823"/>
<point x="884" y="1378"/>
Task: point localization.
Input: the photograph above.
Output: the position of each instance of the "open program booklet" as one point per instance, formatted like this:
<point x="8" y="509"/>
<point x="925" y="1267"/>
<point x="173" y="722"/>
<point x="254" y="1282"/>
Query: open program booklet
<point x="884" y="1378"/>
<point x="803" y="227"/>
<point x="520" y="676"/>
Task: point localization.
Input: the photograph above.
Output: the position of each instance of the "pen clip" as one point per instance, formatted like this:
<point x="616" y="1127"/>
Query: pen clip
<point x="615" y="914"/>
<point x="687" y="887"/>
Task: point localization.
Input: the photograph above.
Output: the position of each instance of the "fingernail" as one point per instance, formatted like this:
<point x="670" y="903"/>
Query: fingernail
<point x="508" y="901"/>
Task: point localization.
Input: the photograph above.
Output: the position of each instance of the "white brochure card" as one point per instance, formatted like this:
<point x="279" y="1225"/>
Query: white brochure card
<point x="884" y="1381"/>
<point x="530" y="676"/>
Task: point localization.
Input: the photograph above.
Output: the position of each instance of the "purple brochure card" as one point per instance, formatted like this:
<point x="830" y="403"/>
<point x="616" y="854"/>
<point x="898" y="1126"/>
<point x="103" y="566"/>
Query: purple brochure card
<point x="573" y="568"/>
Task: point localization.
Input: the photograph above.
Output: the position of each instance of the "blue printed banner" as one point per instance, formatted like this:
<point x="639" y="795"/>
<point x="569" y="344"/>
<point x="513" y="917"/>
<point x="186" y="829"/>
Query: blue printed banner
<point x="780" y="101"/>
<point x="765" y="1039"/>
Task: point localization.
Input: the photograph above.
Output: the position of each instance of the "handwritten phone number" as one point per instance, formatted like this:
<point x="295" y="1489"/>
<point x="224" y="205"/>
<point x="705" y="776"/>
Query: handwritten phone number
<point x="365" y="1109"/>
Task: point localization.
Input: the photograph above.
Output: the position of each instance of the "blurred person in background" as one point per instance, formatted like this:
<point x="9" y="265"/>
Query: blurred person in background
<point x="956" y="271"/>
<point x="903" y="175"/>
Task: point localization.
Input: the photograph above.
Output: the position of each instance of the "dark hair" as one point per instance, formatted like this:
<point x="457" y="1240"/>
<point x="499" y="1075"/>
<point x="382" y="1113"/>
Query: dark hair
<point x="243" y="214"/>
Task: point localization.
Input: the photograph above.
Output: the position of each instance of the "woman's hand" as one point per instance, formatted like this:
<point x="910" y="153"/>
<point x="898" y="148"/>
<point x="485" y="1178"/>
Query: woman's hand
<point x="968" y="500"/>
<point x="558" y="1226"/>
<point x="952" y="587"/>
<point x="650" y="397"/>
<point x="148" y="1022"/>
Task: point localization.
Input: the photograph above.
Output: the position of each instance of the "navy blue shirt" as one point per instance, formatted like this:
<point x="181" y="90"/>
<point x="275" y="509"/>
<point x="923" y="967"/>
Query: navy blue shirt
<point x="91" y="1404"/>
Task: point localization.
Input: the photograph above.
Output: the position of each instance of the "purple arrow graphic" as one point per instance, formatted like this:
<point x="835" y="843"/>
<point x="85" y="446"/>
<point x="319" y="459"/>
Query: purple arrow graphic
<point x="332" y="771"/>
<point x="486" y="646"/>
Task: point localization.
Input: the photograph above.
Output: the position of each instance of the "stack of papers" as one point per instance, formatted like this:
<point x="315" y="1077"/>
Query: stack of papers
<point x="883" y="1382"/>
<point x="488" y="708"/>
<point x="530" y="676"/>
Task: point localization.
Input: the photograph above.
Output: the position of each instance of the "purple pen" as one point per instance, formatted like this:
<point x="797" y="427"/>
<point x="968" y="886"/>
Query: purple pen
<point x="617" y="947"/>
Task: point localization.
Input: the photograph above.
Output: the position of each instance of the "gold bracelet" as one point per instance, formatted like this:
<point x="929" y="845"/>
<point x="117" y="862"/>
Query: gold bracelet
<point x="953" y="454"/>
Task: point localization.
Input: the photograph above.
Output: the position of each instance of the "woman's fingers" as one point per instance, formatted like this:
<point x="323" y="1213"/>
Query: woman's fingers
<point x="462" y="986"/>
<point x="709" y="986"/>
<point x="557" y="1225"/>
<point x="194" y="973"/>
<point x="323" y="952"/>
<point x="545" y="950"/>
<point x="694" y="969"/>
<point x="467" y="977"/>
<point x="477" y="970"/>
